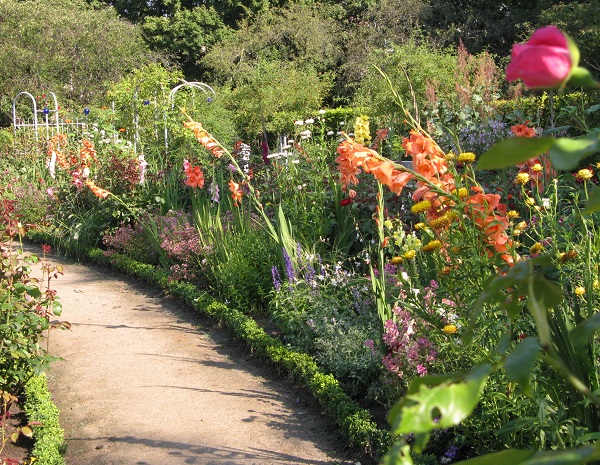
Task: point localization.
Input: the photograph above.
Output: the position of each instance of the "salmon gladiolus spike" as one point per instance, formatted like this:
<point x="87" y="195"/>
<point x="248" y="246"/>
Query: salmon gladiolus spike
<point x="354" y="157"/>
<point x="207" y="141"/>
<point x="98" y="192"/>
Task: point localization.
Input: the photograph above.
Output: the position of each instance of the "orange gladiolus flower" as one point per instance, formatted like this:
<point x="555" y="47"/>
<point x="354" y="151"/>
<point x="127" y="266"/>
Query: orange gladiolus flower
<point x="194" y="175"/>
<point x="418" y="143"/>
<point x="236" y="192"/>
<point x="87" y="152"/>
<point x="205" y="138"/>
<point x="98" y="192"/>
<point x="522" y="130"/>
<point x="353" y="157"/>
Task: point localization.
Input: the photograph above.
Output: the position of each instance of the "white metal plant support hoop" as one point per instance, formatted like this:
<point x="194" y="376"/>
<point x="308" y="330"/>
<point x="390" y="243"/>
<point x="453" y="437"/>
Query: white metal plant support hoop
<point x="209" y="91"/>
<point x="18" y="123"/>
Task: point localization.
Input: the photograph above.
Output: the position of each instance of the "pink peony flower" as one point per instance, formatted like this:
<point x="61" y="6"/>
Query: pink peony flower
<point x="543" y="62"/>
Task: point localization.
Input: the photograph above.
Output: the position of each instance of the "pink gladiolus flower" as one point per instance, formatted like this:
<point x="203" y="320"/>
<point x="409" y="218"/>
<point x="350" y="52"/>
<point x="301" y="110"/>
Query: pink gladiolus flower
<point x="543" y="62"/>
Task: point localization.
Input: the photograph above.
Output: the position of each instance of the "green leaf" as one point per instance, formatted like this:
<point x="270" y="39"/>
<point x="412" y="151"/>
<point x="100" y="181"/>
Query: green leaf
<point x="565" y="457"/>
<point x="593" y="202"/>
<point x="399" y="454"/>
<point x="566" y="153"/>
<point x="512" y="151"/>
<point x="27" y="431"/>
<point x="519" y="364"/>
<point x="542" y="294"/>
<point x="440" y="406"/>
<point x="581" y="334"/>
<point x="581" y="77"/>
<point x="506" y="457"/>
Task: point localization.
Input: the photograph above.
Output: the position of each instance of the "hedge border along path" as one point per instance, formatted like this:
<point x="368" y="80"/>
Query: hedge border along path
<point x="48" y="436"/>
<point x="354" y="422"/>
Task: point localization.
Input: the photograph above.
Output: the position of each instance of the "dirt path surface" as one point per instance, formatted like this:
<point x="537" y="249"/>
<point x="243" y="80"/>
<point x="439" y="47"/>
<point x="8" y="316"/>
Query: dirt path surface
<point x="143" y="382"/>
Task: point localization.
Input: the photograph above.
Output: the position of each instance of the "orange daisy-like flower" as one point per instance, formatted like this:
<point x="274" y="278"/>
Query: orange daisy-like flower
<point x="236" y="192"/>
<point x="205" y="138"/>
<point x="98" y="191"/>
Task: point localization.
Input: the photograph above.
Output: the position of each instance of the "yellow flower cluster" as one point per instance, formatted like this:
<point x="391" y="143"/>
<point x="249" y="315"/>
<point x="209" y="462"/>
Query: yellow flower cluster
<point x="421" y="206"/>
<point x="431" y="246"/>
<point x="466" y="157"/>
<point x="444" y="221"/>
<point x="536" y="248"/>
<point x="450" y="329"/>
<point x="522" y="178"/>
<point x="362" y="134"/>
<point x="585" y="174"/>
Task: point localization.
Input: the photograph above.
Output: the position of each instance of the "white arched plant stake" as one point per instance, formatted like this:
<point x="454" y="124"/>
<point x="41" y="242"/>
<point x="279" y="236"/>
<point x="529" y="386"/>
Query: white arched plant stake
<point x="194" y="85"/>
<point x="45" y="111"/>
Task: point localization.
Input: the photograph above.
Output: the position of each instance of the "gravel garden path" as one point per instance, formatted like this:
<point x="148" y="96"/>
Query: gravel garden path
<point x="143" y="381"/>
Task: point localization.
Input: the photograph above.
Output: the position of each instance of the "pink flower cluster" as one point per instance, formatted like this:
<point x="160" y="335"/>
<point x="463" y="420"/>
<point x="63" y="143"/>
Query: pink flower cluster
<point x="407" y="349"/>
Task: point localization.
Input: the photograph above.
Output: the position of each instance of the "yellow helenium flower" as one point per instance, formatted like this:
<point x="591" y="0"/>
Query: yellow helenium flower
<point x="410" y="254"/>
<point x="536" y="248"/>
<point x="419" y="226"/>
<point x="396" y="260"/>
<point x="443" y="221"/>
<point x="419" y="207"/>
<point x="522" y="225"/>
<point x="579" y="290"/>
<point x="537" y="167"/>
<point x="431" y="246"/>
<point x="585" y="174"/>
<point x="466" y="157"/>
<point x="522" y="178"/>
<point x="450" y="329"/>
<point x="512" y="214"/>
<point x="530" y="201"/>
<point x="461" y="193"/>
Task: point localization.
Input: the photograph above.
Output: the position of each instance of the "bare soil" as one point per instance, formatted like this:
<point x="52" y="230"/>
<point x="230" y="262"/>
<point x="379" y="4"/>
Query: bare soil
<point x="145" y="381"/>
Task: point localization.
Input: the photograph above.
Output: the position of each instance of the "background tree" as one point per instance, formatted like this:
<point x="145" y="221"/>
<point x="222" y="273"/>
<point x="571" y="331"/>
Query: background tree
<point x="66" y="47"/>
<point x="186" y="35"/>
<point x="304" y="33"/>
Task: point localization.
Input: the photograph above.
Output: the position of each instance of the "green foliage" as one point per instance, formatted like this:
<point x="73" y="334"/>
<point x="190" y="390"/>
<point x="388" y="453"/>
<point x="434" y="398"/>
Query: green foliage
<point x="411" y="68"/>
<point x="24" y="314"/>
<point x="271" y="94"/>
<point x="66" y="47"/>
<point x="245" y="277"/>
<point x="48" y="435"/>
<point x="302" y="33"/>
<point x="187" y="35"/>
